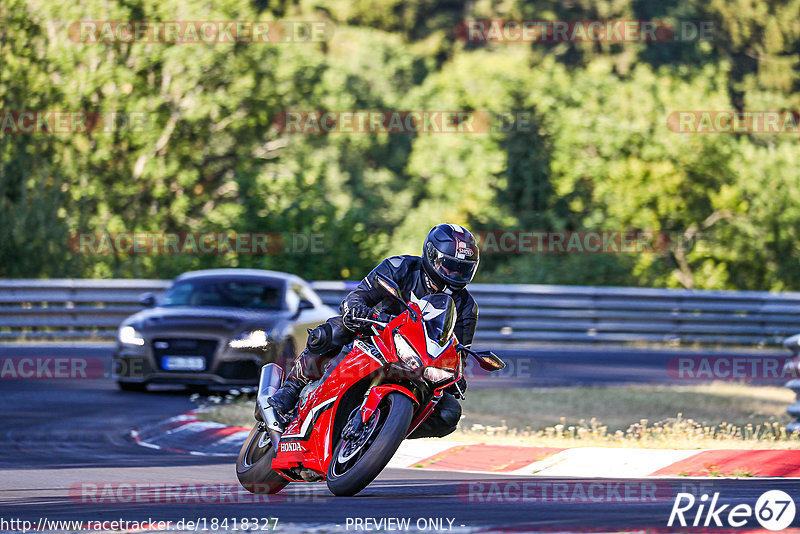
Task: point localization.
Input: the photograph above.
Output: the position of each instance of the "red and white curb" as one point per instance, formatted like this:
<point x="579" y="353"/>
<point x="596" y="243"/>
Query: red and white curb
<point x="186" y="434"/>
<point x="599" y="462"/>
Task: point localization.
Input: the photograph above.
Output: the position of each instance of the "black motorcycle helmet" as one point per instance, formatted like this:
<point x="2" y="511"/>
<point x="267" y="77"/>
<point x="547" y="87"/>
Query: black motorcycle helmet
<point x="450" y="257"/>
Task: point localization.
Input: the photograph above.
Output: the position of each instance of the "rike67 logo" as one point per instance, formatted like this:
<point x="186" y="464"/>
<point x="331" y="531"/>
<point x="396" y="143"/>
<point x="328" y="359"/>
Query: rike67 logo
<point x="774" y="510"/>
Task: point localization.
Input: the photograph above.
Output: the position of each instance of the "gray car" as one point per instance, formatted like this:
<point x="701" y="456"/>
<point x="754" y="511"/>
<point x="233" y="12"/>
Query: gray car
<point x="217" y="327"/>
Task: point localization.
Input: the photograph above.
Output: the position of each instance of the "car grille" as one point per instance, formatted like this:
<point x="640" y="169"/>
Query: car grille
<point x="240" y="370"/>
<point x="184" y="347"/>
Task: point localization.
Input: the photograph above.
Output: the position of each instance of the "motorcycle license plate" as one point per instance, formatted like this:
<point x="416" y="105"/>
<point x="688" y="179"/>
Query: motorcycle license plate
<point x="183" y="363"/>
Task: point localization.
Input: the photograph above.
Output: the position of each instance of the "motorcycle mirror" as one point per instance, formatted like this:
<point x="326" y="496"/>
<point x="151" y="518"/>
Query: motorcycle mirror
<point x="489" y="361"/>
<point x="390" y="286"/>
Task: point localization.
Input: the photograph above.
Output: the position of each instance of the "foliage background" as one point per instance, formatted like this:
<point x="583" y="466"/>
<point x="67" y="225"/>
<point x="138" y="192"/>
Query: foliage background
<point x="600" y="155"/>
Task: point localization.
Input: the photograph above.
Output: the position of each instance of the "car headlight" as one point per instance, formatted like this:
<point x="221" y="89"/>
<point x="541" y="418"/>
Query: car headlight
<point x="256" y="339"/>
<point x="406" y="353"/>
<point x="130" y="336"/>
<point x="436" y="375"/>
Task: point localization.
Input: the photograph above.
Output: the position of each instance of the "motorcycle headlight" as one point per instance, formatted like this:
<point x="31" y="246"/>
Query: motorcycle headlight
<point x="130" y="336"/>
<point x="406" y="353"/>
<point x="255" y="339"/>
<point x="436" y="375"/>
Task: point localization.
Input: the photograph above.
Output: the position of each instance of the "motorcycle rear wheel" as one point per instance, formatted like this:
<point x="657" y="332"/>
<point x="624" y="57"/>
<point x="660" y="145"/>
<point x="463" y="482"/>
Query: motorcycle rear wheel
<point x="254" y="465"/>
<point x="356" y="462"/>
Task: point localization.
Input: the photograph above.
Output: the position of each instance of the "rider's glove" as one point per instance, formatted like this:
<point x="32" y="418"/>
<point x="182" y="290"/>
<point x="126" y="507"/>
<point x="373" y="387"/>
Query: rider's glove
<point x="353" y="313"/>
<point x="453" y="390"/>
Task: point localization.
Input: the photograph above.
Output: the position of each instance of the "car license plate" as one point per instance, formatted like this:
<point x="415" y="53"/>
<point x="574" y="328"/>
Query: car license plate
<point x="183" y="363"/>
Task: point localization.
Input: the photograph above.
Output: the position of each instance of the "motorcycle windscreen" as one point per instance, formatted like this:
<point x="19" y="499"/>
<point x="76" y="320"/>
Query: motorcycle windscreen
<point x="439" y="317"/>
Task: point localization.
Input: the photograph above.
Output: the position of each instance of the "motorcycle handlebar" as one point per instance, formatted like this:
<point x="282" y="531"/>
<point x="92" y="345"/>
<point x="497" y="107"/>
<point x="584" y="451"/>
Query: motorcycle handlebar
<point x="369" y="321"/>
<point x="376" y="325"/>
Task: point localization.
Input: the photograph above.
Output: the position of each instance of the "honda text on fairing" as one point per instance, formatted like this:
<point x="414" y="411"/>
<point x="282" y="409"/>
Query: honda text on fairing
<point x="217" y="327"/>
<point x="349" y="424"/>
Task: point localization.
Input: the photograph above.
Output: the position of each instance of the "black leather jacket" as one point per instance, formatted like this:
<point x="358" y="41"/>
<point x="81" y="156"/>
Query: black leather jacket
<point x="408" y="273"/>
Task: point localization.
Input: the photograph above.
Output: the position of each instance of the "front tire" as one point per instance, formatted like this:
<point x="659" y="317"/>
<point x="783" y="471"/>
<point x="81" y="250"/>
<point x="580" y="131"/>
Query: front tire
<point x="355" y="463"/>
<point x="254" y="465"/>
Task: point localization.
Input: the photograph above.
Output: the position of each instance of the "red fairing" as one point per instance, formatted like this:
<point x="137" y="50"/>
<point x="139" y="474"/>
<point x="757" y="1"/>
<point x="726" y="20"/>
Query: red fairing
<point x="375" y="396"/>
<point x="311" y="429"/>
<point x="307" y="441"/>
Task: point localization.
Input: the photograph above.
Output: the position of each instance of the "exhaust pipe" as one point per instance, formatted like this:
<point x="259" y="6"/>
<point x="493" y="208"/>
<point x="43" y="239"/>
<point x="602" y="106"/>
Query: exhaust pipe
<point x="268" y="383"/>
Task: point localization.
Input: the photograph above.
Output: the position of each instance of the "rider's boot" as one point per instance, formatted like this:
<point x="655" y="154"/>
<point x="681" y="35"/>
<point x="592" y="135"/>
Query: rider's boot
<point x="324" y="341"/>
<point x="285" y="399"/>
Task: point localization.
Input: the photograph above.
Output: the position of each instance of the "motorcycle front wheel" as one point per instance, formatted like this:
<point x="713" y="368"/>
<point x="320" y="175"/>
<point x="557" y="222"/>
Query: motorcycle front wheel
<point x="254" y="465"/>
<point x="358" y="460"/>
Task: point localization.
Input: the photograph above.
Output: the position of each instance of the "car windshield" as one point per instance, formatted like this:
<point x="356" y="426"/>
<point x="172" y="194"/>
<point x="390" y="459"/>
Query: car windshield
<point x="253" y="294"/>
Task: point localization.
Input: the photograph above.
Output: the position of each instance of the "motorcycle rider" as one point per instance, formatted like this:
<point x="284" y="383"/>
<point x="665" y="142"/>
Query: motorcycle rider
<point x="449" y="261"/>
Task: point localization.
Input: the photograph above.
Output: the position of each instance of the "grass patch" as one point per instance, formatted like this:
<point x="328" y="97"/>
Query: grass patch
<point x="620" y="406"/>
<point x="236" y="412"/>
<point x="716" y="415"/>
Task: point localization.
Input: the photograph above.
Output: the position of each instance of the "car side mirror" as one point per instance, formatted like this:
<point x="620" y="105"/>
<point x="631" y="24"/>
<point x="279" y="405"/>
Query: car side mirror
<point x="148" y="300"/>
<point x="303" y="305"/>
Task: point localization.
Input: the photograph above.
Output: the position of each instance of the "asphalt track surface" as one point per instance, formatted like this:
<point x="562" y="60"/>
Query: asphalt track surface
<point x="59" y="434"/>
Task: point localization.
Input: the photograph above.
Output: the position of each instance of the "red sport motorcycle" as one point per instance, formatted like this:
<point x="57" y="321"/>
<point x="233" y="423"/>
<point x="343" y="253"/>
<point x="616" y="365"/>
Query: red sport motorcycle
<point x="348" y="425"/>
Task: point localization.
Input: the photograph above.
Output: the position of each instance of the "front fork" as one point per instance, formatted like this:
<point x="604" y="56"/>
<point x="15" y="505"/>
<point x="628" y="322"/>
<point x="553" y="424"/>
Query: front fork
<point x="372" y="399"/>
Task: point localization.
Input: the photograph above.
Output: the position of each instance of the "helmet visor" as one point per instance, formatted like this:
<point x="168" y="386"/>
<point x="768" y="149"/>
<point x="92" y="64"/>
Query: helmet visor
<point x="452" y="269"/>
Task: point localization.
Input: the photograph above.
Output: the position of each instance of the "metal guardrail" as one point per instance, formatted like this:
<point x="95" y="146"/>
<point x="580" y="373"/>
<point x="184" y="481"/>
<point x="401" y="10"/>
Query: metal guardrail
<point x="579" y="314"/>
<point x="69" y="308"/>
<point x="511" y="314"/>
